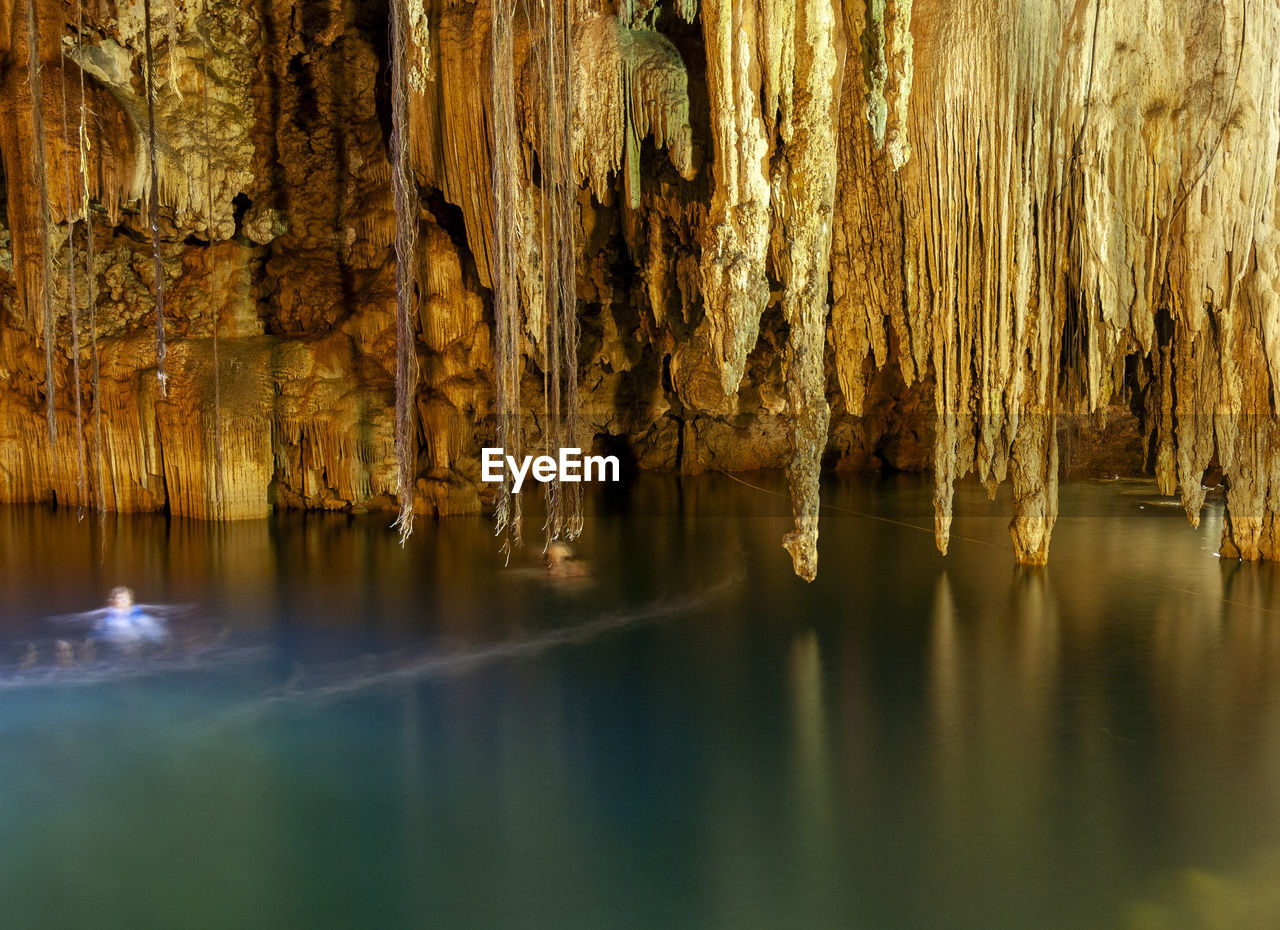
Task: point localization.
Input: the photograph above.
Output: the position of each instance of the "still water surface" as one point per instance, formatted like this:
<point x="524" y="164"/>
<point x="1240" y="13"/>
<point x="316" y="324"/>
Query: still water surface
<point x="349" y="734"/>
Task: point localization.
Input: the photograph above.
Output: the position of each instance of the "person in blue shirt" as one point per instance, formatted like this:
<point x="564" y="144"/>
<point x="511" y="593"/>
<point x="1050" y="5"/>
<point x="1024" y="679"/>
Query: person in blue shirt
<point x="125" y="621"/>
<point x="124" y="624"/>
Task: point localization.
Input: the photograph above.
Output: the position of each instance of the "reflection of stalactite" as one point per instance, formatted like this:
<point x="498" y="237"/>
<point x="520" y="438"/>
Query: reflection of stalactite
<point x="406" y="205"/>
<point x="42" y="176"/>
<point x="813" y="794"/>
<point x="809" y="724"/>
<point x="1035" y="605"/>
<point x="993" y="683"/>
<point x="946" y="682"/>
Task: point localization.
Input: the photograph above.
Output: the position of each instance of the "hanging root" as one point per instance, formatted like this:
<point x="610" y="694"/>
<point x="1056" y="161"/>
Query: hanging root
<point x="565" y="198"/>
<point x="507" y="231"/>
<point x="559" y="188"/>
<point x="214" y="292"/>
<point x="90" y="279"/>
<point x="82" y="482"/>
<point x="42" y="176"/>
<point x="154" y="199"/>
<point x="552" y="403"/>
<point x="405" y="194"/>
<point x="553" y="316"/>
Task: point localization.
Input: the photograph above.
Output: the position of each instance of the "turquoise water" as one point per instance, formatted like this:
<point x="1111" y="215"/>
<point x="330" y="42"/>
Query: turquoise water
<point x="348" y="734"/>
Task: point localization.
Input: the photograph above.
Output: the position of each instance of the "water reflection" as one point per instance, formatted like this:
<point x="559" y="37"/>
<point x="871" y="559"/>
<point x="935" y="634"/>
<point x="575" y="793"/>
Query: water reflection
<point x="993" y="695"/>
<point x="1195" y="899"/>
<point x="417" y="736"/>
<point x="1130" y="720"/>
<point x="811" y="755"/>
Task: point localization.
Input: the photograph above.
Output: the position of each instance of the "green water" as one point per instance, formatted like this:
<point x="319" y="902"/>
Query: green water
<point x="349" y="734"/>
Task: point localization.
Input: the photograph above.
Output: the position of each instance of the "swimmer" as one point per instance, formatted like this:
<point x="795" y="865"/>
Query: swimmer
<point x="63" y="656"/>
<point x="125" y="622"/>
<point x="562" y="564"/>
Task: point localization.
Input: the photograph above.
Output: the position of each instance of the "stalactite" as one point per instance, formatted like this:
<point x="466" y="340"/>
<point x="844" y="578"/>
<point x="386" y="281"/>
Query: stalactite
<point x="1075" y="208"/>
<point x="626" y="84"/>
<point x="406" y="206"/>
<point x="1089" y="183"/>
<point x="40" y="157"/>
<point x="153" y="197"/>
<point x="176" y="58"/>
<point x="985" y="212"/>
<point x="868" y="272"/>
<point x="507" y="231"/>
<point x="418" y="47"/>
<point x="214" y="289"/>
<point x="772" y="77"/>
<point x="899" y="47"/>
<point x="252" y="391"/>
<point x="735" y="289"/>
<point x="73" y="297"/>
<point x="888" y="46"/>
<point x="806" y="179"/>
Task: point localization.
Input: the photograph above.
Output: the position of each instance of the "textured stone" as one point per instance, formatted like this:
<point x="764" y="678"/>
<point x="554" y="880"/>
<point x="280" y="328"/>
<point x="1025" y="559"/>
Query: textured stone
<point x="875" y="233"/>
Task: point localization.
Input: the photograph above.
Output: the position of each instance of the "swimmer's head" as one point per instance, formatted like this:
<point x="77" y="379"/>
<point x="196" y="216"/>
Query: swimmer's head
<point x="120" y="597"/>
<point x="63" y="654"/>
<point x="558" y="552"/>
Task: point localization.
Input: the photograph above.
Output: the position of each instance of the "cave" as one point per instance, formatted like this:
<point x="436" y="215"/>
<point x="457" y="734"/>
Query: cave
<point x="738" y="462"/>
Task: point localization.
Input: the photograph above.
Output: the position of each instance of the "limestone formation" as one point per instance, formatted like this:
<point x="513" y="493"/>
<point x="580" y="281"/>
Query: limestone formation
<point x="784" y="233"/>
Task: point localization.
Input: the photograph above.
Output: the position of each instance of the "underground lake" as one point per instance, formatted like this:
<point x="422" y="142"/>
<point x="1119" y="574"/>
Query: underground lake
<point x="344" y="732"/>
<point x="609" y="464"/>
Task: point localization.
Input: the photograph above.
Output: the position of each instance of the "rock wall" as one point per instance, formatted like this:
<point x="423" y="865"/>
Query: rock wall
<point x="810" y="233"/>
